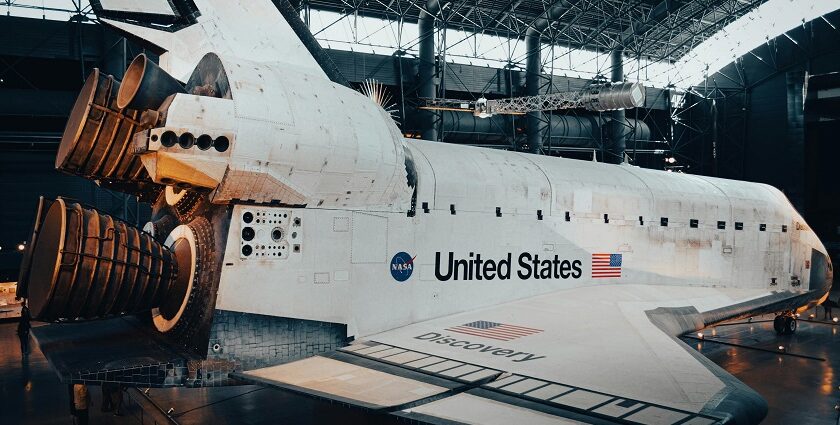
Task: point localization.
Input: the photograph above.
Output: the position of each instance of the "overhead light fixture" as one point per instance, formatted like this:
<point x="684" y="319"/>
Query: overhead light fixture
<point x="21" y="246"/>
<point x="700" y="335"/>
<point x="782" y="348"/>
<point x="834" y="319"/>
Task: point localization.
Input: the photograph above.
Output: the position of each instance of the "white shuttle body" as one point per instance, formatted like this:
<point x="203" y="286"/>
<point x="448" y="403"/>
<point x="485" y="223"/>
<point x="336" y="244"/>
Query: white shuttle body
<point x="307" y="245"/>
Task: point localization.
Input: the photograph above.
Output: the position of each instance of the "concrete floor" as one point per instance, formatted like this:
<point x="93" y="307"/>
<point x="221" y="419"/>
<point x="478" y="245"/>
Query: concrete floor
<point x="799" y="390"/>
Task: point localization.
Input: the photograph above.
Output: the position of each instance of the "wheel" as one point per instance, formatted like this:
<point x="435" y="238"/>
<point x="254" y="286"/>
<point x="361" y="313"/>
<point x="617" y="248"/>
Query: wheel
<point x="779" y="324"/>
<point x="790" y="325"/>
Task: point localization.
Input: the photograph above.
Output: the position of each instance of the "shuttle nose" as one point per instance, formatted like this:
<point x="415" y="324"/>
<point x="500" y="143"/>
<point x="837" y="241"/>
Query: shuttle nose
<point x="822" y="272"/>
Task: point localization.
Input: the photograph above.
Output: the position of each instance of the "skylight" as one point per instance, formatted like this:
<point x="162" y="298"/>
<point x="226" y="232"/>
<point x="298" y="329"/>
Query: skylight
<point x="764" y="23"/>
<point x="55" y="10"/>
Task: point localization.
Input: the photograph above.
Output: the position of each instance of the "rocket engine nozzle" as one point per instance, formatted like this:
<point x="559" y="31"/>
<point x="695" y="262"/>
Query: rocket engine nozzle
<point x="96" y="143"/>
<point x="146" y="85"/>
<point x="84" y="264"/>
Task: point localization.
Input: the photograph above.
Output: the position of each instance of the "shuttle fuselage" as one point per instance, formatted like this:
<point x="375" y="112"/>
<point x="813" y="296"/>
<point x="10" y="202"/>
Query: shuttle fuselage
<point x="294" y="198"/>
<point x="337" y="218"/>
<point x="491" y="226"/>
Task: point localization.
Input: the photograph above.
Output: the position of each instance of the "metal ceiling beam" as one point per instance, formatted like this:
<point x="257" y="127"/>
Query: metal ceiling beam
<point x="593" y="24"/>
<point x="656" y="15"/>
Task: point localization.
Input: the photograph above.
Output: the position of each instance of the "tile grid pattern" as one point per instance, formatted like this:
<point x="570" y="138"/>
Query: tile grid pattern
<point x="533" y="389"/>
<point x="252" y="341"/>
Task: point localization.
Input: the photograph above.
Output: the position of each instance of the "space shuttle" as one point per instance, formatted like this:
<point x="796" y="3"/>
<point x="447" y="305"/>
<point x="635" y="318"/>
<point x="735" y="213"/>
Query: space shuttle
<point x="300" y="242"/>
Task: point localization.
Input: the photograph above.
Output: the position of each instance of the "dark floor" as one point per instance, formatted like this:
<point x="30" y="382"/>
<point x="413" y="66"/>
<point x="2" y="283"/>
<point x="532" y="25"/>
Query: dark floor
<point x="799" y="390"/>
<point x="32" y="394"/>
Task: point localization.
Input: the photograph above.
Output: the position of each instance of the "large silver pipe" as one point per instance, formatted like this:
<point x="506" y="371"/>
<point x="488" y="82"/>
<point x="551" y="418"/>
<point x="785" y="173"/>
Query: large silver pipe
<point x="614" y="96"/>
<point x="583" y="130"/>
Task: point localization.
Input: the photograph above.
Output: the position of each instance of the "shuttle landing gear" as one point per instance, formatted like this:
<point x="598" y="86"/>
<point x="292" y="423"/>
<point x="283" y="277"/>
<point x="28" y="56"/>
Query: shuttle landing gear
<point x="785" y="323"/>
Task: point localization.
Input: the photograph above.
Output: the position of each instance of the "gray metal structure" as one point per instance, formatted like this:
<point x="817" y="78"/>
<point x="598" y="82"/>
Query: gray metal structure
<point x="596" y="98"/>
<point x="659" y="30"/>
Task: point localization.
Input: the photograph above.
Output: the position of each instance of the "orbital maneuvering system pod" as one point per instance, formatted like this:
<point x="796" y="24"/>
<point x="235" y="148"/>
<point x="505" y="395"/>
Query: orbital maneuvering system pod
<point x="229" y="135"/>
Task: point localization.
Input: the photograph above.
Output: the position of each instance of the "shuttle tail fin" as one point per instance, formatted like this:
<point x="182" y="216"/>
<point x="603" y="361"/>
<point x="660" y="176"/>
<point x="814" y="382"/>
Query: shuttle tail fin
<point x="184" y="31"/>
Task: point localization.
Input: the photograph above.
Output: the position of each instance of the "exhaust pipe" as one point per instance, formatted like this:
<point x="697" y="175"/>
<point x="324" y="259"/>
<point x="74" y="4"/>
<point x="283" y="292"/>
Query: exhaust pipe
<point x="146" y="85"/>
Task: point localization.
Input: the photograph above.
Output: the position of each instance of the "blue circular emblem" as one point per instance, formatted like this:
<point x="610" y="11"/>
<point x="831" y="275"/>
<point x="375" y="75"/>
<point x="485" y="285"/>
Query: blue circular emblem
<point x="401" y="266"/>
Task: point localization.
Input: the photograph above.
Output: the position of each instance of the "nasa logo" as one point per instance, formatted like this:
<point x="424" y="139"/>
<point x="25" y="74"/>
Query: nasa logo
<point x="401" y="266"/>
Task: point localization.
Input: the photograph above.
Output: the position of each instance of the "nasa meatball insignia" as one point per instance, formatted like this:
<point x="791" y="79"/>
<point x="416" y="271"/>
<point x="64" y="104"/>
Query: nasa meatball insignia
<point x="402" y="265"/>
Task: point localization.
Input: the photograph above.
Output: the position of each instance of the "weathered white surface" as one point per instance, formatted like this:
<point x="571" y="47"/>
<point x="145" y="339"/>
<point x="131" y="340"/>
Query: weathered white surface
<point x="469" y="409"/>
<point x="349" y="381"/>
<point x="293" y="149"/>
<point x="371" y="301"/>
<point x="598" y="338"/>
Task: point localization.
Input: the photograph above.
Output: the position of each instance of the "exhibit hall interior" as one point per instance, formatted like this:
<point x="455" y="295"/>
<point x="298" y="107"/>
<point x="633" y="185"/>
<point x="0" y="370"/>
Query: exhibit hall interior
<point x="419" y="212"/>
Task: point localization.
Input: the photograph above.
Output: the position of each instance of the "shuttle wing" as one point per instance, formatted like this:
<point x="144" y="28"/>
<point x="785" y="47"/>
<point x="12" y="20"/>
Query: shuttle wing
<point x="599" y="354"/>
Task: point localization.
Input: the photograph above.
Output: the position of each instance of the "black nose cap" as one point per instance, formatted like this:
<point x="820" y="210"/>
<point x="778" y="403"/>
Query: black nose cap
<point x="821" y="271"/>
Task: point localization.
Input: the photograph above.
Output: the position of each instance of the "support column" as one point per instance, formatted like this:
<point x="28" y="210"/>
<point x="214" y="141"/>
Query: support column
<point x="617" y="143"/>
<point x="533" y="121"/>
<point x="426" y="74"/>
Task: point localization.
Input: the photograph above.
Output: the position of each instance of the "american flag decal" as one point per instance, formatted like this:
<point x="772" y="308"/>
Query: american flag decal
<point x="606" y="265"/>
<point x="494" y="330"/>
